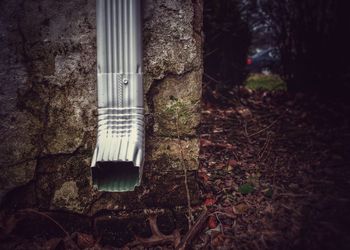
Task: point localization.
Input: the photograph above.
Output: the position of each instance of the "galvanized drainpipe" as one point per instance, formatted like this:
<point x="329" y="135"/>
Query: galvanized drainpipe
<point x="118" y="158"/>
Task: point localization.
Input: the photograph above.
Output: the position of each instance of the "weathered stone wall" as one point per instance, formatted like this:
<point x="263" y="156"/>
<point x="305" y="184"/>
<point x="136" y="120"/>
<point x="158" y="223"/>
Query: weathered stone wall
<point x="48" y="105"/>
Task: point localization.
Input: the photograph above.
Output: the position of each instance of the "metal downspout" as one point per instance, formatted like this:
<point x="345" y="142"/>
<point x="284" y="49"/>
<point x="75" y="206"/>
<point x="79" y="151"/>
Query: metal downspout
<point x="118" y="158"/>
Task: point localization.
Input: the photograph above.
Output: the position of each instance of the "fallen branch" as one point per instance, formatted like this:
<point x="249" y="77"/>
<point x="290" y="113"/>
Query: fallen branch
<point x="198" y="225"/>
<point x="157" y="237"/>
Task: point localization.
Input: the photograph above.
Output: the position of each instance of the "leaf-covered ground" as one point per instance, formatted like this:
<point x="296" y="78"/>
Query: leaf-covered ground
<point x="275" y="169"/>
<point x="274" y="174"/>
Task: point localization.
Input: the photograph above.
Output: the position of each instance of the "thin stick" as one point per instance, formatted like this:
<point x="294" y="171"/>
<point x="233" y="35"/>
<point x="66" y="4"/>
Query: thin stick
<point x="190" y="219"/>
<point x="28" y="210"/>
<point x="294" y="195"/>
<point x="262" y="130"/>
<point x="211" y="78"/>
<point x="274" y="178"/>
<point x="211" y="52"/>
<point x="264" y="148"/>
<point x="232" y="216"/>
<point x="245" y="129"/>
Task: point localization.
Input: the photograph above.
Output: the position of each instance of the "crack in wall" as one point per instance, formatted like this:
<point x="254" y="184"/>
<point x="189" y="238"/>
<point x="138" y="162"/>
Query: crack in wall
<point x="28" y="95"/>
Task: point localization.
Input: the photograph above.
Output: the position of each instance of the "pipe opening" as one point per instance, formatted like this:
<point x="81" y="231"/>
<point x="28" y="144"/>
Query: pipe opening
<point x="118" y="158"/>
<point x="115" y="175"/>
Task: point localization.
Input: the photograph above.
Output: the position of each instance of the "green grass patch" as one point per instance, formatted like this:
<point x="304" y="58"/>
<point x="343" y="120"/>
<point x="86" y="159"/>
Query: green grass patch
<point x="265" y="82"/>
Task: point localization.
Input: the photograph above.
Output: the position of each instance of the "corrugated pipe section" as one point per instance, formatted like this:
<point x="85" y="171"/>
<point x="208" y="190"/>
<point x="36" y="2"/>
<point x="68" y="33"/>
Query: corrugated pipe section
<point x="118" y="158"/>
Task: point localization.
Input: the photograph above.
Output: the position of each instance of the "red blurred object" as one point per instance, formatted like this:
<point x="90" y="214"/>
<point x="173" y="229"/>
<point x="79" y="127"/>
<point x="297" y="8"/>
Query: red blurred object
<point x="204" y="176"/>
<point x="249" y="61"/>
<point x="212" y="222"/>
<point x="209" y="202"/>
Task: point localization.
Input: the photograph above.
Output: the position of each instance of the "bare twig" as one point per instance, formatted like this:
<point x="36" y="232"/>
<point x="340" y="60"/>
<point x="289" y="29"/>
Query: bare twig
<point x="291" y="209"/>
<point x="274" y="177"/>
<point x="262" y="130"/>
<point x="245" y="129"/>
<point x="211" y="52"/>
<point x="232" y="216"/>
<point x="190" y="216"/>
<point x="211" y="78"/>
<point x="265" y="147"/>
<point x="294" y="195"/>
<point x="29" y="210"/>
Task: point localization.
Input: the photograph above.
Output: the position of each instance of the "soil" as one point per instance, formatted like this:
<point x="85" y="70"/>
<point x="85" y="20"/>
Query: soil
<point x="276" y="165"/>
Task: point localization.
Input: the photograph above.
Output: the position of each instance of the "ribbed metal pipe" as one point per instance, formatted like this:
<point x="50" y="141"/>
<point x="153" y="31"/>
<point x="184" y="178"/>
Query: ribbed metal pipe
<point x="118" y="158"/>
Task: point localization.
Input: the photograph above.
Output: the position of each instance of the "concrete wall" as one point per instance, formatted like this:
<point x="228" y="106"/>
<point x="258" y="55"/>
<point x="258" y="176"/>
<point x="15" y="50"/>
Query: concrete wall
<point x="48" y="105"/>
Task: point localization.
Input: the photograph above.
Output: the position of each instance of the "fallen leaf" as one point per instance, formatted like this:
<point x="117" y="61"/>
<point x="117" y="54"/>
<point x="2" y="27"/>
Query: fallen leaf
<point x="209" y="202"/>
<point x="212" y="222"/>
<point x="218" y="130"/>
<point x="205" y="143"/>
<point x="217" y="241"/>
<point x="240" y="208"/>
<point x="245" y="92"/>
<point x="229" y="183"/>
<point x="52" y="244"/>
<point x="268" y="192"/>
<point x="230" y="112"/>
<point x="204" y="176"/>
<point x="207" y="112"/>
<point x="220" y="165"/>
<point x="269" y="209"/>
<point x="232" y="162"/>
<point x="246" y="188"/>
<point x="225" y="145"/>
<point x="85" y="240"/>
<point x="244" y="112"/>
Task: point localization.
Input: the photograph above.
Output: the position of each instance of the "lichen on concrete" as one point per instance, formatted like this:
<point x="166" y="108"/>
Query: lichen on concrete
<point x="169" y="43"/>
<point x="48" y="105"/>
<point x="53" y="171"/>
<point x="70" y="117"/>
<point x="171" y="154"/>
<point x="177" y="105"/>
<point x="66" y="197"/>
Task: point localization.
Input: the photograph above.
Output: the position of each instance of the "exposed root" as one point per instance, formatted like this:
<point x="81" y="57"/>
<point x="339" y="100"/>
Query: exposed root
<point x="29" y="210"/>
<point x="157" y="237"/>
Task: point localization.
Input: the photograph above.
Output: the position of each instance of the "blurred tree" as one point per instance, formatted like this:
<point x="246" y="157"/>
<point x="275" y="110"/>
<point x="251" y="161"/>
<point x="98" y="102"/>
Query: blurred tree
<point x="227" y="40"/>
<point x="313" y="38"/>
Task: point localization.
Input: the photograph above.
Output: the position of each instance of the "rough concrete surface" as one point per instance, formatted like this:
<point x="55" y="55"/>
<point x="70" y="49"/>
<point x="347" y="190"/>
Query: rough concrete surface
<point x="48" y="106"/>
